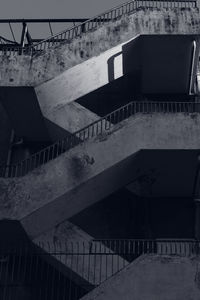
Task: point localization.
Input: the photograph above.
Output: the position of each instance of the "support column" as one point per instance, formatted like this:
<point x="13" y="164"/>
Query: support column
<point x="197" y="219"/>
<point x="197" y="201"/>
<point x="146" y="190"/>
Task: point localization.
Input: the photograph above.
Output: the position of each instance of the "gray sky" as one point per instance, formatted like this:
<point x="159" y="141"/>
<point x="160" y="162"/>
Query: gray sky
<point x="49" y="9"/>
<point x="54" y="8"/>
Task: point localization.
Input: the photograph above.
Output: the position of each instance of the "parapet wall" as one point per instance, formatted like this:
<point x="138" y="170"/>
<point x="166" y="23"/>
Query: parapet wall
<point x="153" y="277"/>
<point x="25" y="71"/>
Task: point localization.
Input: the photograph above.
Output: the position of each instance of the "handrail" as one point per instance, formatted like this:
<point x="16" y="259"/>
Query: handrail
<point x="111" y="246"/>
<point x="107" y="15"/>
<point x="95" y="22"/>
<point x="69" y="270"/>
<point x="96" y="128"/>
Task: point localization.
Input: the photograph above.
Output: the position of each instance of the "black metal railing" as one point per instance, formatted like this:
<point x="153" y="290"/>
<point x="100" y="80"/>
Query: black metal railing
<point x="97" y="21"/>
<point x="57" y="271"/>
<point x="136" y="247"/>
<point x="99" y="127"/>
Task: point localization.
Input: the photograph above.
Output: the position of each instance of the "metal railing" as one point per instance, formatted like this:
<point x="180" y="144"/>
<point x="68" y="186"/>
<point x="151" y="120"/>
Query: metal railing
<point x="99" y="20"/>
<point x="71" y="270"/>
<point x="99" y="127"/>
<point x="130" y="249"/>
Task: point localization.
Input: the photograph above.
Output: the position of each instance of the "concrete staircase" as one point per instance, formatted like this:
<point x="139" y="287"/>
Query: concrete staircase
<point x="89" y="80"/>
<point x="104" y="83"/>
<point x="25" y="70"/>
<point x="143" y="65"/>
<point x="58" y="188"/>
<point x="79" y="177"/>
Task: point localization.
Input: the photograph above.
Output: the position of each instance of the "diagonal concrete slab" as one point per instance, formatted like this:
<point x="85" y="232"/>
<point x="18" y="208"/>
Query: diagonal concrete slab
<point x="152" y="277"/>
<point x="21" y="105"/>
<point x="92" y="262"/>
<point x="71" y="116"/>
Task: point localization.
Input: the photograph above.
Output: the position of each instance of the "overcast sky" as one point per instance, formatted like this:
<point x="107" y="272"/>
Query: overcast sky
<point x="54" y="8"/>
<point x="11" y="9"/>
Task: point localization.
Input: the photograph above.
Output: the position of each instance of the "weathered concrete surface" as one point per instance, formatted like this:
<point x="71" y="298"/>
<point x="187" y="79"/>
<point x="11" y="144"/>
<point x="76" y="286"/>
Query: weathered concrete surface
<point x="163" y="62"/>
<point x="70" y="238"/>
<point x="22" y="70"/>
<point x="91" y="171"/>
<point x="71" y="116"/>
<point x="153" y="278"/>
<point x="78" y="81"/>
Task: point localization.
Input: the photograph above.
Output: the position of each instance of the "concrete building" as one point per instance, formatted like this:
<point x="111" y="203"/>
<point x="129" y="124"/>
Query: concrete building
<point x="99" y="155"/>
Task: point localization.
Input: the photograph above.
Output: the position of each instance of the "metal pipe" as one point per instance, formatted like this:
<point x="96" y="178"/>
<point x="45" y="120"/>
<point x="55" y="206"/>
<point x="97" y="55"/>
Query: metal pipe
<point x="9" y="152"/>
<point x="68" y="20"/>
<point x="192" y="66"/>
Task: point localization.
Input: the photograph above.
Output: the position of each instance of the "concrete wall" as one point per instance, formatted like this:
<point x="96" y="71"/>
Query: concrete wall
<point x="93" y="170"/>
<point x="21" y="70"/>
<point x="153" y="278"/>
<point x="23" y="110"/>
<point x="138" y="217"/>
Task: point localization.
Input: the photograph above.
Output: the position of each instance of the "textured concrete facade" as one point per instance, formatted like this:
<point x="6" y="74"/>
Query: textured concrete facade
<point x="22" y="70"/>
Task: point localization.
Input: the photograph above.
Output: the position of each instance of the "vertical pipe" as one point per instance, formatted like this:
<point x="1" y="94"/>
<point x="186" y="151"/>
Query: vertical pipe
<point x="192" y="67"/>
<point x="9" y="152"/>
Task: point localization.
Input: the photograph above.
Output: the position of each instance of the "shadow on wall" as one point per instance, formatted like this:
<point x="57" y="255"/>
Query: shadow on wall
<point x="163" y="61"/>
<point x="23" y="149"/>
<point x="127" y="61"/>
<point x="124" y="215"/>
<point x="5" y="135"/>
<point x="123" y="69"/>
<point x="147" y="67"/>
<point x="20" y="110"/>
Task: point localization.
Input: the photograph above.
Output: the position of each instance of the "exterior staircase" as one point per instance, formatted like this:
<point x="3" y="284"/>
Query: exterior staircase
<point x="70" y="175"/>
<point x="99" y="156"/>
